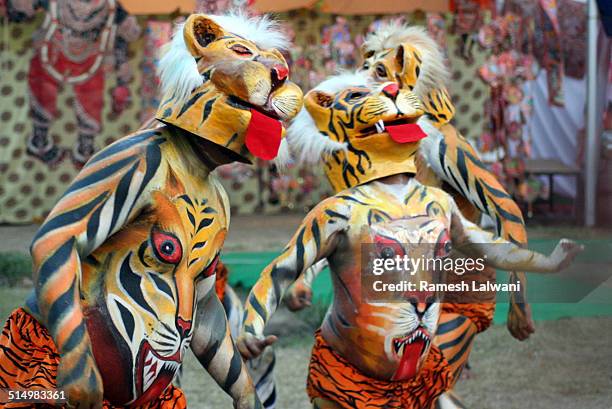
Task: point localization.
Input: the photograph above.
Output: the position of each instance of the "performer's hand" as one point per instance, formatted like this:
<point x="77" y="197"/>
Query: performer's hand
<point x="520" y="321"/>
<point x="565" y="252"/>
<point x="83" y="386"/>
<point x="251" y="346"/>
<point x="298" y="297"/>
<point x="121" y="97"/>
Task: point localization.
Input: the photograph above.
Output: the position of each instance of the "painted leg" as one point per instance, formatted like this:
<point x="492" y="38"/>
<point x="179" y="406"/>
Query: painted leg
<point x="455" y="338"/>
<point x="43" y="91"/>
<point x="261" y="368"/>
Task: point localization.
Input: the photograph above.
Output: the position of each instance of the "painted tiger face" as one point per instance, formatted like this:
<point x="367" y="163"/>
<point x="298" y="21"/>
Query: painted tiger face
<point x="139" y="294"/>
<point x="226" y="87"/>
<point x="376" y="126"/>
<point x="414" y="323"/>
<point x="362" y="112"/>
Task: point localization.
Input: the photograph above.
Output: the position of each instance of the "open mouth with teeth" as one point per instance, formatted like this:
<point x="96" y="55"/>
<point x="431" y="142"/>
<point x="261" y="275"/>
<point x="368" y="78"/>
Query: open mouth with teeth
<point x="410" y="349"/>
<point x="264" y="132"/>
<point x="154" y="373"/>
<point x="403" y="130"/>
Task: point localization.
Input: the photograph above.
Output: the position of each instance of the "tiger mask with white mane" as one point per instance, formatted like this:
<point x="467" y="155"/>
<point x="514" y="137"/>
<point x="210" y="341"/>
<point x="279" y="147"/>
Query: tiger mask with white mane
<point x="363" y="131"/>
<point x="230" y="86"/>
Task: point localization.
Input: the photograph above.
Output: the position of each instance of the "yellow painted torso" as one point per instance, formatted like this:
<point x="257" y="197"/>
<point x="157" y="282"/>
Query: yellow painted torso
<point x="123" y="277"/>
<point x="361" y="331"/>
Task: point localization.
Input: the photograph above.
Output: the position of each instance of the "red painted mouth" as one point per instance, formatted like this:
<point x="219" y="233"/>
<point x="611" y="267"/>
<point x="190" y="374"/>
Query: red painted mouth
<point x="155" y="372"/>
<point x="410" y="349"/>
<point x="264" y="133"/>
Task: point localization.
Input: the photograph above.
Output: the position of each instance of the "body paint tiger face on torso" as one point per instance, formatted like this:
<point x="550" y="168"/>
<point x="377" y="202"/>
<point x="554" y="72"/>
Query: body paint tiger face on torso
<point x="387" y="340"/>
<point x="142" y="281"/>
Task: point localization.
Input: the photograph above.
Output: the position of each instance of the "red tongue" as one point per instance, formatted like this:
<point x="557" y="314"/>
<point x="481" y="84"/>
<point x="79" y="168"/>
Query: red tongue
<point x="405" y="133"/>
<point x="407" y="368"/>
<point x="263" y="135"/>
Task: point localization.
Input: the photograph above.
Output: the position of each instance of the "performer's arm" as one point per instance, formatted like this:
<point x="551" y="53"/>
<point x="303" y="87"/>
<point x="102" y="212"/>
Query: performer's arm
<point x="452" y="159"/>
<point x="212" y="344"/>
<point x="472" y="241"/>
<point x="105" y="195"/>
<point x="299" y="295"/>
<point x="315" y="239"/>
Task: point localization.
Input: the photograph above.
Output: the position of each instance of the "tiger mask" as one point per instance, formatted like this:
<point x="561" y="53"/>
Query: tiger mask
<point x="362" y="131"/>
<point x="224" y="80"/>
<point x="411" y="58"/>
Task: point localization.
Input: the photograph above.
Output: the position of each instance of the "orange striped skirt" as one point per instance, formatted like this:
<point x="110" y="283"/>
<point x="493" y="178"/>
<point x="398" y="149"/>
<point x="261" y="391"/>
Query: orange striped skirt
<point x="333" y="378"/>
<point x="29" y="360"/>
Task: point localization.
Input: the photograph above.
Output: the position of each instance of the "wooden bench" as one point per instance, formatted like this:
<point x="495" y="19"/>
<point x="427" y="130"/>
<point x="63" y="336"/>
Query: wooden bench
<point x="550" y="168"/>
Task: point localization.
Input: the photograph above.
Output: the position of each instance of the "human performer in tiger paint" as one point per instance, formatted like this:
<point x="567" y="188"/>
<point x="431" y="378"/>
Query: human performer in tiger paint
<point x="408" y="56"/>
<point x="371" y="353"/>
<point x="124" y="263"/>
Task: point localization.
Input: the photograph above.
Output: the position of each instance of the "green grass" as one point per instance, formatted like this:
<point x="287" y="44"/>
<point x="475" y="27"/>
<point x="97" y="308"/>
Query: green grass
<point x="14" y="267"/>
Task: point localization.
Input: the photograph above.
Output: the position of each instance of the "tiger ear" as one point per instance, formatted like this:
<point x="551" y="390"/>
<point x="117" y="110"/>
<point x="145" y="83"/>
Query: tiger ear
<point x="409" y="59"/>
<point x="366" y="53"/>
<point x="317" y="102"/>
<point x="399" y="58"/>
<point x="317" y="98"/>
<point x="199" y="31"/>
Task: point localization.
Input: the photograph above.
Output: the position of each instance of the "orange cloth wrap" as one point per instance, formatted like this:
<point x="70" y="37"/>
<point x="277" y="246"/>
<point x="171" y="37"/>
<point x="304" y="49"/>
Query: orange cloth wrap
<point x="333" y="378"/>
<point x="29" y="360"/>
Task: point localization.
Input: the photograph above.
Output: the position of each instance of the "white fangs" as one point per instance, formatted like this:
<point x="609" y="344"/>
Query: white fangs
<point x="380" y="126"/>
<point x="400" y="343"/>
<point x="153" y="367"/>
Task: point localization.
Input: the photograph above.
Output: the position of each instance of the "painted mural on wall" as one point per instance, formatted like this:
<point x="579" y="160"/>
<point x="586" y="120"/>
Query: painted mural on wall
<point x="71" y="47"/>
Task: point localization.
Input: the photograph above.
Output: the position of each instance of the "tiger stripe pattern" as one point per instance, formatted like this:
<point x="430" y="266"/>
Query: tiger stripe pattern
<point x="110" y="184"/>
<point x="408" y="55"/>
<point x="85" y="242"/>
<point x="411" y="57"/>
<point x="334" y="230"/>
<point x="391" y="211"/>
<point x="125" y="262"/>
<point x="333" y="383"/>
<point x="34" y="360"/>
<point x="261" y="368"/>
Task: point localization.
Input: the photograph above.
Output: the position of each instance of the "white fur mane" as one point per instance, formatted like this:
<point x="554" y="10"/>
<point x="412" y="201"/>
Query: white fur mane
<point x="178" y="70"/>
<point x="434" y="73"/>
<point x="307" y="144"/>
